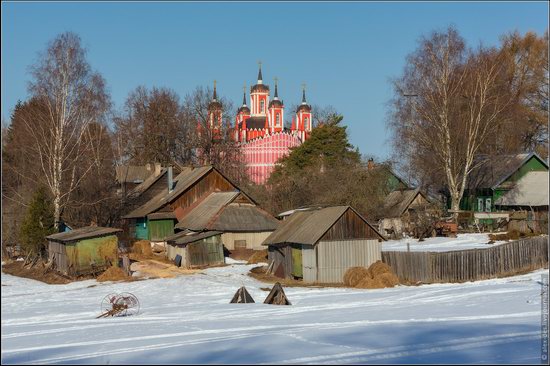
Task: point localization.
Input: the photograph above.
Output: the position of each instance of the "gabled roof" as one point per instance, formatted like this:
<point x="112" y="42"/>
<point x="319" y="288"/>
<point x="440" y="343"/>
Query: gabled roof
<point x="397" y="202"/>
<point x="82" y="233"/>
<point x="184" y="180"/>
<point x="309" y="226"/>
<point x="152" y="179"/>
<point x="218" y="212"/>
<point x="243" y="218"/>
<point x="495" y="170"/>
<point x="202" y="215"/>
<point x="530" y="190"/>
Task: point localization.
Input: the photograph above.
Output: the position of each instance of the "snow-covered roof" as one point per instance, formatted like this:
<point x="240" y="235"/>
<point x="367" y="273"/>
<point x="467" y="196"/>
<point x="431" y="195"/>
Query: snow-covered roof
<point x="530" y="190"/>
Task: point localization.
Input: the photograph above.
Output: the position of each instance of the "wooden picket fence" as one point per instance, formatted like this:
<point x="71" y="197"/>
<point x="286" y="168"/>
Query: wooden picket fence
<point x="469" y="265"/>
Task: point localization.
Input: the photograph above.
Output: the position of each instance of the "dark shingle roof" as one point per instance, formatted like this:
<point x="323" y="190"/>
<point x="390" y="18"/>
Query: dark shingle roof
<point x="82" y="233"/>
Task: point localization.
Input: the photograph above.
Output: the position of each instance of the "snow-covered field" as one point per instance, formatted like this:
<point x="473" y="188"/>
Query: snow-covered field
<point x="188" y="319"/>
<point x="442" y="244"/>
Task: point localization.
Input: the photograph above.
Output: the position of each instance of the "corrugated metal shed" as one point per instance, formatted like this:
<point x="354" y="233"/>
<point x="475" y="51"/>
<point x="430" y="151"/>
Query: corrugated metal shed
<point x="530" y="190"/>
<point x="82" y="233"/>
<point x="202" y="216"/>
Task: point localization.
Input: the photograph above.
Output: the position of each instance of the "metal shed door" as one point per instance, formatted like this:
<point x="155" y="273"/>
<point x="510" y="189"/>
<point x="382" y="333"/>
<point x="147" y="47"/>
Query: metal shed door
<point x="297" y="270"/>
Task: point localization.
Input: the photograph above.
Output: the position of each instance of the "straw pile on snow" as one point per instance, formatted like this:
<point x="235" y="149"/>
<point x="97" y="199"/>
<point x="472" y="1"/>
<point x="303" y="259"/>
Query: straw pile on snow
<point x="114" y="274"/>
<point x="379" y="275"/>
<point x="258" y="257"/>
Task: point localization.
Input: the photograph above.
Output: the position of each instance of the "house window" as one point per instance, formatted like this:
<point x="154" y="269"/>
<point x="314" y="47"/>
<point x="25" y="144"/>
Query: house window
<point x="480" y="205"/>
<point x="240" y="244"/>
<point x="487" y="205"/>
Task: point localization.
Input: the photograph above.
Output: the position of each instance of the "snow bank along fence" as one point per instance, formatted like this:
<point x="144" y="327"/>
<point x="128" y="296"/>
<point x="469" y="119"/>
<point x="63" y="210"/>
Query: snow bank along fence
<point x="469" y="265"/>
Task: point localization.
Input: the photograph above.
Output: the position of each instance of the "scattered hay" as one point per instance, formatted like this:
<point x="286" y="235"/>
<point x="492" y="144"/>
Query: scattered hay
<point x="354" y="275"/>
<point x="114" y="274"/>
<point x="258" y="257"/>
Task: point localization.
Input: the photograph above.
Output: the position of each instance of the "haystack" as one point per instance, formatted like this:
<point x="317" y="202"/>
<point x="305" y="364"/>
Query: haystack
<point x="354" y="275"/>
<point x="378" y="275"/>
<point x="142" y="247"/>
<point x="277" y="296"/>
<point x="114" y="274"/>
<point x="258" y="257"/>
<point x="242" y="297"/>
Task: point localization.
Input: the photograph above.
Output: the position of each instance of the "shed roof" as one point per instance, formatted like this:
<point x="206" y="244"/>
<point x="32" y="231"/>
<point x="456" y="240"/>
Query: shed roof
<point x="530" y="190"/>
<point x="308" y="226"/>
<point x="188" y="236"/>
<point x="201" y="216"/>
<point x="397" y="202"/>
<point x="82" y="233"/>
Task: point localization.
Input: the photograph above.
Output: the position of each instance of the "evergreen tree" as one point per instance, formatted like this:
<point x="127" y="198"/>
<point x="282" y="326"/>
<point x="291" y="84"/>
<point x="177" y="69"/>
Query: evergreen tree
<point x="38" y="222"/>
<point x="327" y="147"/>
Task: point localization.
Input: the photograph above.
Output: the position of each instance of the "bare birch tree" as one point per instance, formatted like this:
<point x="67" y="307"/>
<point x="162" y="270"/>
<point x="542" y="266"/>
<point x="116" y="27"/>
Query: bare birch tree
<point x="447" y="105"/>
<point x="72" y="97"/>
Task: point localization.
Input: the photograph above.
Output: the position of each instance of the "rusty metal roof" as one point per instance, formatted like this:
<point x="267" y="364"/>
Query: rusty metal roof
<point x="201" y="216"/>
<point x="187" y="237"/>
<point x="82" y="233"/>
<point x="162" y="215"/>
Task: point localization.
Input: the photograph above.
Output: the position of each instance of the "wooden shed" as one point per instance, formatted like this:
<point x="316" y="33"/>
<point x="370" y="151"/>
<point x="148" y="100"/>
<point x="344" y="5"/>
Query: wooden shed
<point x="196" y="249"/>
<point x="83" y="250"/>
<point x="321" y="244"/>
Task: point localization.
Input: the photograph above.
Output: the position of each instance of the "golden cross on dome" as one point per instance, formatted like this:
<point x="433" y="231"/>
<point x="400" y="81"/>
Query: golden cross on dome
<point x="303" y="86"/>
<point x="214" y="84"/>
<point x="244" y="88"/>
<point x="276" y="79"/>
<point x="260" y="64"/>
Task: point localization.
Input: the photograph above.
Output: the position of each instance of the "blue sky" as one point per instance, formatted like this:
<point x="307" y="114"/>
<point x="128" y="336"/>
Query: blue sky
<point x="346" y="53"/>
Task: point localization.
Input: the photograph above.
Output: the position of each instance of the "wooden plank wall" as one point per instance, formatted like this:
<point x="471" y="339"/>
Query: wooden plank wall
<point x="469" y="265"/>
<point x="350" y="226"/>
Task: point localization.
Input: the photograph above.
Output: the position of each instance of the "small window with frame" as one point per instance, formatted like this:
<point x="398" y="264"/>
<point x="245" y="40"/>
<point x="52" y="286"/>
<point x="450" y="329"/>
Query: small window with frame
<point x="488" y="203"/>
<point x="480" y="205"/>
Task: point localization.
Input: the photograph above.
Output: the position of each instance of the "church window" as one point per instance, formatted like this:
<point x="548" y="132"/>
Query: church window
<point x="278" y="119"/>
<point x="262" y="106"/>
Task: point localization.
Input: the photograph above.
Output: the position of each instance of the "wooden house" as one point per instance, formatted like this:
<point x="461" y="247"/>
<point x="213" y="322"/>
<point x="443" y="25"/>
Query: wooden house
<point x="202" y="199"/>
<point x="196" y="249"/>
<point x="399" y="209"/>
<point x="243" y="224"/>
<point x="128" y="177"/>
<point x="321" y="244"/>
<point x="527" y="203"/>
<point x="84" y="250"/>
<point x="492" y="179"/>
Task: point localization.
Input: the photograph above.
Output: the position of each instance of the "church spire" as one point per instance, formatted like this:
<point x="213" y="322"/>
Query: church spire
<point x="260" y="78"/>
<point x="304" y="94"/>
<point x="215" y="96"/>
<point x="244" y="95"/>
<point x="276" y="96"/>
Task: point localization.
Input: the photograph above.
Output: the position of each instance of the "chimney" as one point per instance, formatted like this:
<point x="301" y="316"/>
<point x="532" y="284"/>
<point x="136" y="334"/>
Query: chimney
<point x="170" y="180"/>
<point x="370" y="164"/>
<point x="158" y="168"/>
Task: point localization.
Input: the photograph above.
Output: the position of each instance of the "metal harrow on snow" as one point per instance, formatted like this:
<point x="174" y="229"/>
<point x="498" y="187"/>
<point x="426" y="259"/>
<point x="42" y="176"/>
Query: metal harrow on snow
<point x="124" y="304"/>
